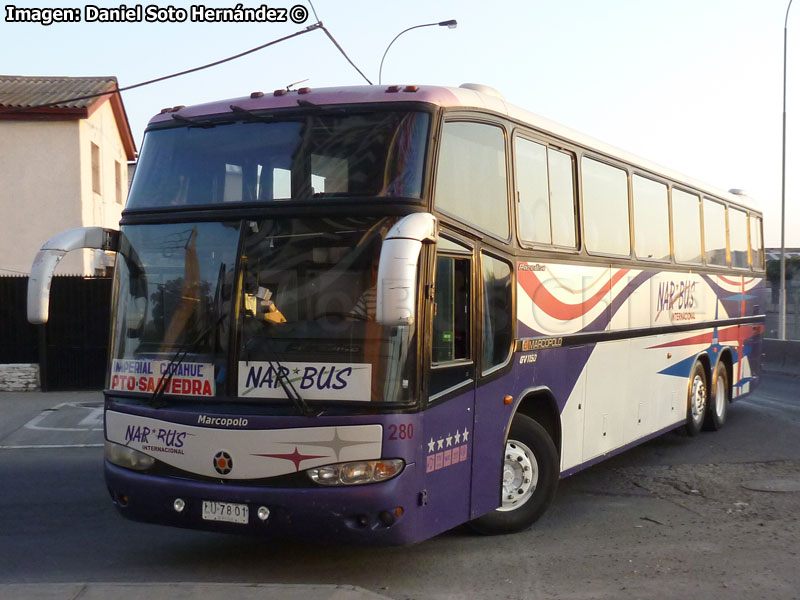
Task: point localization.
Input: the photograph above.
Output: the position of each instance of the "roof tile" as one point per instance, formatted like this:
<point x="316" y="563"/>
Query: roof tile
<point x="27" y="92"/>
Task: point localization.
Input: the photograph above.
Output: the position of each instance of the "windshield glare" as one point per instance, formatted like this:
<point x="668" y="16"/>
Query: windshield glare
<point x="301" y="307"/>
<point x="379" y="154"/>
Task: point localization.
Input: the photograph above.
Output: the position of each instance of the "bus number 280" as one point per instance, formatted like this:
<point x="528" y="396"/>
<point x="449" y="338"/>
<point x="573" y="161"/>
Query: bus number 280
<point x="401" y="432"/>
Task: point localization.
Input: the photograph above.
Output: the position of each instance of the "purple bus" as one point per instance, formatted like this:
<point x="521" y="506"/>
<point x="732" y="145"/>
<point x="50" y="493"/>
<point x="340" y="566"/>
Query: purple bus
<point x="371" y="314"/>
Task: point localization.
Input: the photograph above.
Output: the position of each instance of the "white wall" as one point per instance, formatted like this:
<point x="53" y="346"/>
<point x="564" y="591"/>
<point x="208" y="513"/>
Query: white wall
<point x="46" y="187"/>
<point x="39" y="190"/>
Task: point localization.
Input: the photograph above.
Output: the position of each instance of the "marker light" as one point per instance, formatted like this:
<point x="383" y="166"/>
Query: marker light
<point x="262" y="513"/>
<point x="179" y="505"/>
<point x="122" y="456"/>
<point x="357" y="473"/>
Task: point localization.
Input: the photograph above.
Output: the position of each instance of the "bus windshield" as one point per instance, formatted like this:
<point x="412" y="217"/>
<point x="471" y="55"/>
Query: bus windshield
<point x="378" y="154"/>
<point x="297" y="305"/>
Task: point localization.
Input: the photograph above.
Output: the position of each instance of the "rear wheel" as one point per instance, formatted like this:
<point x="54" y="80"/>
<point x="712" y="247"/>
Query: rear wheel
<point x="717" y="411"/>
<point x="696" y="400"/>
<point x="529" y="481"/>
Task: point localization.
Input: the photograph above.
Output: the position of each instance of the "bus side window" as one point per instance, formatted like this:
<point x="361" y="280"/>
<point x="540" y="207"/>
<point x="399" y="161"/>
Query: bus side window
<point x="497" y="311"/>
<point x="737" y="221"/>
<point x="650" y="219"/>
<point x="756" y="245"/>
<point x="686" y="227"/>
<point x="452" y="364"/>
<point x="545" y="194"/>
<point x="451" y="331"/>
<point x="714" y="229"/>
<point x="471" y="179"/>
<point x="605" y="208"/>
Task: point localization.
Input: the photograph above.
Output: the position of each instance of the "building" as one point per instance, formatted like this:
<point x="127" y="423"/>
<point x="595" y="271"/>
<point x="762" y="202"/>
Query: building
<point x="63" y="165"/>
<point x="775" y="253"/>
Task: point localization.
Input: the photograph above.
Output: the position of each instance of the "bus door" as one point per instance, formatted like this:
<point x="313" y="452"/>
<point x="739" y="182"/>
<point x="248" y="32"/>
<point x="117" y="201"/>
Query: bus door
<point x="496" y="324"/>
<point x="448" y="421"/>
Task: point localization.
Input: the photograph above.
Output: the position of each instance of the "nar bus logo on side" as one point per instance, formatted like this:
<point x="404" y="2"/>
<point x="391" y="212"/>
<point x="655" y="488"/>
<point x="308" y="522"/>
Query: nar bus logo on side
<point x="676" y="296"/>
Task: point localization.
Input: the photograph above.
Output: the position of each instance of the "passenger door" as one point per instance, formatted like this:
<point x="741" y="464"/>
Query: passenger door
<point x="447" y="444"/>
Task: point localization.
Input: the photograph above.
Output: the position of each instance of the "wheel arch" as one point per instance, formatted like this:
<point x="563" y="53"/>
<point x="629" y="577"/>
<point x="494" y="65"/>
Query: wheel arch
<point x="704" y="360"/>
<point x="540" y="404"/>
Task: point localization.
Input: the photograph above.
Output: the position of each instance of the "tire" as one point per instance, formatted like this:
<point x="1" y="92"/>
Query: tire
<point x="530" y="479"/>
<point x="717" y="408"/>
<point x="696" y="400"/>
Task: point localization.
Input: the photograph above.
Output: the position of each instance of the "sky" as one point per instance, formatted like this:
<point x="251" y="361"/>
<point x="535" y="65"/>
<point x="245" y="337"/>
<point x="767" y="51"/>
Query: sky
<point x="694" y="85"/>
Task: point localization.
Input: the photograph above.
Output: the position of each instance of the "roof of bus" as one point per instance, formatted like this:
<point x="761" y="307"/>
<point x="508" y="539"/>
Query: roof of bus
<point x="446" y="97"/>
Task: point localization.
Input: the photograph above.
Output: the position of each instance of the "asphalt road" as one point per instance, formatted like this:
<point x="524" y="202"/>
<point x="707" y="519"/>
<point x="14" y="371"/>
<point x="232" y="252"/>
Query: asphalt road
<point x="717" y="516"/>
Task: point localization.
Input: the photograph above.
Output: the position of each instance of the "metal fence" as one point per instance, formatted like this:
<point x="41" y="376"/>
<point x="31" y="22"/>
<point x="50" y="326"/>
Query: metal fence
<point x="18" y="338"/>
<point x="792" y="311"/>
<point x="72" y="348"/>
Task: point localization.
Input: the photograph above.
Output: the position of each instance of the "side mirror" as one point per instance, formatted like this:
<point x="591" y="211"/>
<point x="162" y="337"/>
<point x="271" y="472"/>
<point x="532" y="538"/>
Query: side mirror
<point x="397" y="269"/>
<point x="48" y="258"/>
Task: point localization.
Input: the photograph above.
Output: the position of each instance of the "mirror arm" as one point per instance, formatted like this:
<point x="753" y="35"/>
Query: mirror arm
<point x="50" y="255"/>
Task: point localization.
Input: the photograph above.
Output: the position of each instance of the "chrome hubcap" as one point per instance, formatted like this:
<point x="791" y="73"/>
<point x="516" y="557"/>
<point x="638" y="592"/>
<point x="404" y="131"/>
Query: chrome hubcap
<point x="520" y="475"/>
<point x="698" y="398"/>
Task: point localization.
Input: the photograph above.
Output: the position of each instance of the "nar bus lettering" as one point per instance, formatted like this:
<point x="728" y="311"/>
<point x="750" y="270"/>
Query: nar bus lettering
<point x="314" y="381"/>
<point x="172" y="438"/>
<point x="674" y="295"/>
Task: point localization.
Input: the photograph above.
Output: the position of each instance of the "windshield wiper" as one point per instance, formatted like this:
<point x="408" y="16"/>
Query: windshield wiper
<point x="177" y="360"/>
<point x="282" y="374"/>
<point x="254" y="116"/>
<point x="205" y="123"/>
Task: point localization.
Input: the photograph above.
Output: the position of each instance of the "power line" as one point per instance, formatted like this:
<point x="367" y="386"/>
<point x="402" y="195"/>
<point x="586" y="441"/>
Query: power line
<point x="165" y="77"/>
<point x="335" y="43"/>
<point x="317" y="25"/>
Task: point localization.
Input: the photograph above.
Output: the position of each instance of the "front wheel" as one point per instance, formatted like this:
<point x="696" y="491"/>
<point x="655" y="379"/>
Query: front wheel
<point x="530" y="479"/>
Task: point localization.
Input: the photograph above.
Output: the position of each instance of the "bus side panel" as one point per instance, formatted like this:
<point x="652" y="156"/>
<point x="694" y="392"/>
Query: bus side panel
<point x="632" y="388"/>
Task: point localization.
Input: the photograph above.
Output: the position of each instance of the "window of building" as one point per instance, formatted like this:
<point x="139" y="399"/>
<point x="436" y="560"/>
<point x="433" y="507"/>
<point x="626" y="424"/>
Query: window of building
<point x="686" y="227"/>
<point x="737" y="224"/>
<point x="497" y="311"/>
<point x="96" y="184"/>
<point x="714" y="232"/>
<point x="118" y="181"/>
<point x="471" y="178"/>
<point x="605" y="208"/>
<point x="545" y="194"/>
<point x="650" y="219"/>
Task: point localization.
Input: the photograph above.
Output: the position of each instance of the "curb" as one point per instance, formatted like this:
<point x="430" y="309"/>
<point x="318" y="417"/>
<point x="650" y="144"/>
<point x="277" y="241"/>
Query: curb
<point x="181" y="591"/>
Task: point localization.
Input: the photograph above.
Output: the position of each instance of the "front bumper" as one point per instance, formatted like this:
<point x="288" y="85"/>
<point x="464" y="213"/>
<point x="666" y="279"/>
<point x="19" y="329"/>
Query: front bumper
<point x="351" y="514"/>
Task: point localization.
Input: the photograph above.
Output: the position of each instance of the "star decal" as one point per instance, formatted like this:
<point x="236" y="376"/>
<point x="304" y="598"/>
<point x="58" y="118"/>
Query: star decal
<point x="449" y="439"/>
<point x="431" y="445"/>
<point x="440" y="444"/>
<point x="465" y="435"/>
<point x="458" y="437"/>
<point x="295" y="457"/>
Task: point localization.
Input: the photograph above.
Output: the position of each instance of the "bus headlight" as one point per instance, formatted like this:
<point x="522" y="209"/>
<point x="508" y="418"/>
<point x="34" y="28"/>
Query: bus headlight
<point x="358" y="472"/>
<point x="122" y="456"/>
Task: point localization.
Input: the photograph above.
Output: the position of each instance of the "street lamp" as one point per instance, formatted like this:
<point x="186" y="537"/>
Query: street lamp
<point x="451" y="24"/>
<point x="782" y="298"/>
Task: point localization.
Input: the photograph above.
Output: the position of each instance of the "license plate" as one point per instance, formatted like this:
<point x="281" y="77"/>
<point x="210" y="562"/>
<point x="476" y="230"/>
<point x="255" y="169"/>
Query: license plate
<point x="225" y="511"/>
